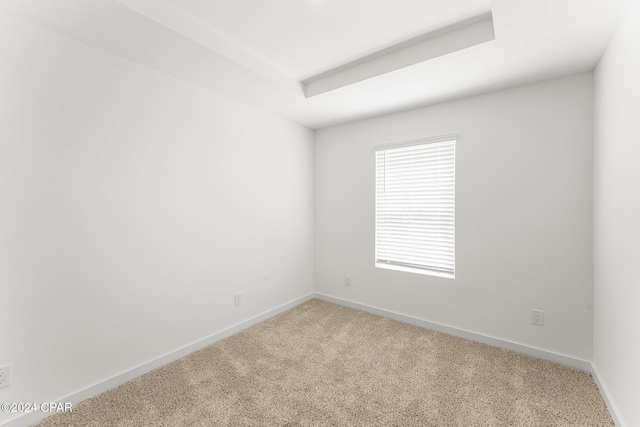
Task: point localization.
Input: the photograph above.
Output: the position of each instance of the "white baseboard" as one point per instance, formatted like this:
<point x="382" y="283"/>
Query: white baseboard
<point x="604" y="392"/>
<point x="580" y="364"/>
<point x="102" y="386"/>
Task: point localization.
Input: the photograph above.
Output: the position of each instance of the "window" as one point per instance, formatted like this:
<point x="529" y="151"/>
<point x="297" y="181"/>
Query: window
<point x="415" y="206"/>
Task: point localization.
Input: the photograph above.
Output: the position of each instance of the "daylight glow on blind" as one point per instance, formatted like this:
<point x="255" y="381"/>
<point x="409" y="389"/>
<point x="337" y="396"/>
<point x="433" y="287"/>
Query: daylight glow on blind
<point x="415" y="208"/>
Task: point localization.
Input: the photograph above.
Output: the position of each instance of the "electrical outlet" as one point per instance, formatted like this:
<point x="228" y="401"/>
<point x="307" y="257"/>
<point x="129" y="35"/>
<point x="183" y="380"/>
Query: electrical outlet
<point x="537" y="317"/>
<point x="5" y="376"/>
<point x="347" y="280"/>
<point x="238" y="299"/>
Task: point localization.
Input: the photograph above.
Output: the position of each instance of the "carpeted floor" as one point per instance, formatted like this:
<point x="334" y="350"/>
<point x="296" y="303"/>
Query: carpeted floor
<point x="321" y="364"/>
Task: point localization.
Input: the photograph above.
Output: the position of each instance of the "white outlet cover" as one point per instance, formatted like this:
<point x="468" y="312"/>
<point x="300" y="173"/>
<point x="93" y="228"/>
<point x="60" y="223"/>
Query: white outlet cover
<point x="537" y="317"/>
<point x="5" y="376"/>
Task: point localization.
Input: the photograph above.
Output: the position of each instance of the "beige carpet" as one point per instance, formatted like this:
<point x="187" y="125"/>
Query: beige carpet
<point x="321" y="364"/>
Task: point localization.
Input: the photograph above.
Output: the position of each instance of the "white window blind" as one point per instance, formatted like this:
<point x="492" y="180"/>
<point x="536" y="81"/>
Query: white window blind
<point x="415" y="207"/>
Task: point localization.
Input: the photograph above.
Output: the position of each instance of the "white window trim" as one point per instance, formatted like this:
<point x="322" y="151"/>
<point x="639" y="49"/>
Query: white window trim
<point x="441" y="138"/>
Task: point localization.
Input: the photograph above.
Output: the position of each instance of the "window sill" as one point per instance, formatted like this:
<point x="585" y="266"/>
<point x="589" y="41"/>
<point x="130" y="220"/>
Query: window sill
<point x="414" y="270"/>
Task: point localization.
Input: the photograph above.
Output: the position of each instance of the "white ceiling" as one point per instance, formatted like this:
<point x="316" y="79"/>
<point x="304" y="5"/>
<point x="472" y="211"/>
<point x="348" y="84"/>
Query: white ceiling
<point x="304" y="38"/>
<point x="260" y="52"/>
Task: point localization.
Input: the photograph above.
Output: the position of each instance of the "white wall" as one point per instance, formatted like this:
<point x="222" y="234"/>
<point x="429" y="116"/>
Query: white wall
<point x="132" y="207"/>
<point x="523" y="212"/>
<point x="617" y="220"/>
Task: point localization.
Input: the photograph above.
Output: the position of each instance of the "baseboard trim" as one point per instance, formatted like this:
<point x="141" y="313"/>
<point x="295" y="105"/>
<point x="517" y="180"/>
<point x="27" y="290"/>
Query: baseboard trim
<point x="606" y="395"/>
<point x="119" y="379"/>
<point x="573" y="362"/>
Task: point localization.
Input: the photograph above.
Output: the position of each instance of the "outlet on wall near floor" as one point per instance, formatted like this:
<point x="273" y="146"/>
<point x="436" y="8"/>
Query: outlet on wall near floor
<point x="238" y="299"/>
<point x="347" y="280"/>
<point x="537" y="317"/>
<point x="5" y="376"/>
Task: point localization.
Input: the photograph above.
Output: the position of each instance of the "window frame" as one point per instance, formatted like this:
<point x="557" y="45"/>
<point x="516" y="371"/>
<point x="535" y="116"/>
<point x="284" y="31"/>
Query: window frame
<point x="434" y="269"/>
